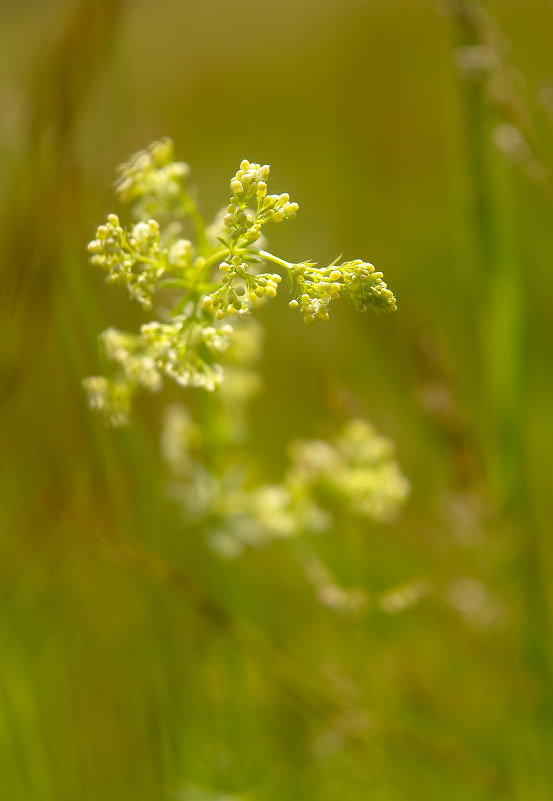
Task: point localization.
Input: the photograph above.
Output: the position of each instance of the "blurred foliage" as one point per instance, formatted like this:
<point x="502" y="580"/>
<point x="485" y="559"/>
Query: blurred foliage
<point x="136" y="664"/>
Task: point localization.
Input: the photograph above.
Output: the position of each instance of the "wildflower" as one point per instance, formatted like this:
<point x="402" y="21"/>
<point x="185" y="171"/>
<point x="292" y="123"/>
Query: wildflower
<point x="220" y="275"/>
<point x="135" y="260"/>
<point x="151" y="182"/>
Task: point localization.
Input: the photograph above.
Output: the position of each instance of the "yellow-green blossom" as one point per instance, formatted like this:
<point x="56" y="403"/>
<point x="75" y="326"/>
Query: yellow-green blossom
<point x="134" y="259"/>
<point x="222" y="273"/>
<point x="152" y="182"/>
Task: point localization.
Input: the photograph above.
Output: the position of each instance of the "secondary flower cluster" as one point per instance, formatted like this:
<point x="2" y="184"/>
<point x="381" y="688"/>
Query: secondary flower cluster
<point x="220" y="274"/>
<point x="355" y="474"/>
<point x="134" y="259"/>
<point x="135" y="363"/>
<point x="249" y="187"/>
<point x="153" y="182"/>
<point x="182" y="350"/>
<point x="358" y="471"/>
<point x="356" y="280"/>
<point x="240" y="290"/>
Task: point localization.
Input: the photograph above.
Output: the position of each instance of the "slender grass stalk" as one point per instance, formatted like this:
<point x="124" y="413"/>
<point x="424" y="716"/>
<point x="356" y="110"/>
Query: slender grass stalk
<point x="504" y="324"/>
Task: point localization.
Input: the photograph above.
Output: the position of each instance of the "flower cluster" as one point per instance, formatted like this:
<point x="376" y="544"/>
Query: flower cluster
<point x="134" y="259"/>
<point x="240" y="289"/>
<point x="358" y="472"/>
<point x="251" y="518"/>
<point x="357" y="280"/>
<point x="152" y="182"/>
<point x="249" y="187"/>
<point x="364" y="287"/>
<point x="219" y="275"/>
<point x="237" y="516"/>
<point x="181" y="351"/>
<point x="222" y="273"/>
<point x="136" y="364"/>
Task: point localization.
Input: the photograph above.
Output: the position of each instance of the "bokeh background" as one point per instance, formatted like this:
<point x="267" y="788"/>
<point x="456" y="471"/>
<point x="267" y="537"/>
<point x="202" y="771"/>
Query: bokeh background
<point x="135" y="663"/>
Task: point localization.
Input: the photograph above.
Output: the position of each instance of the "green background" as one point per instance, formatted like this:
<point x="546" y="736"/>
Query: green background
<point x="136" y="664"/>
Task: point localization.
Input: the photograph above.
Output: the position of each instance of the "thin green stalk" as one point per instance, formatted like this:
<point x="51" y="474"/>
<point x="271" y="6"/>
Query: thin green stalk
<point x="275" y="259"/>
<point x="203" y="271"/>
<point x="198" y="223"/>
<point x="494" y="223"/>
<point x="503" y="325"/>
